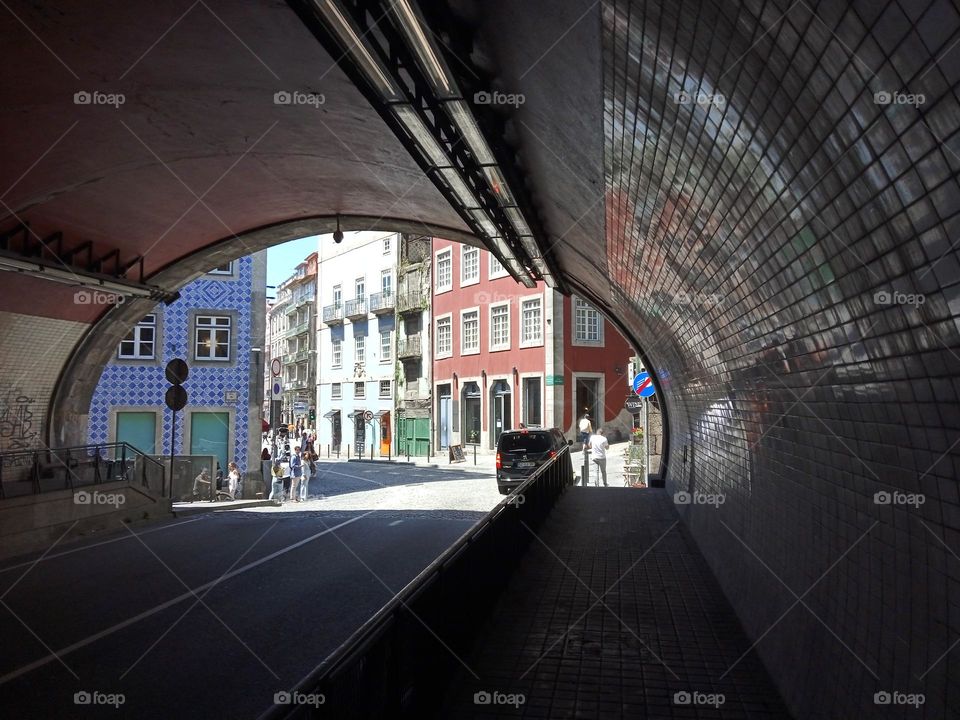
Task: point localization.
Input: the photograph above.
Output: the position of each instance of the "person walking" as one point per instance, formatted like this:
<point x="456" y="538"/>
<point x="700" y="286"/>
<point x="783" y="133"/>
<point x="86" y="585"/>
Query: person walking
<point x="308" y="467"/>
<point x="598" y="453"/>
<point x="276" y="486"/>
<point x="586" y="429"/>
<point x="233" y="475"/>
<point x="296" y="472"/>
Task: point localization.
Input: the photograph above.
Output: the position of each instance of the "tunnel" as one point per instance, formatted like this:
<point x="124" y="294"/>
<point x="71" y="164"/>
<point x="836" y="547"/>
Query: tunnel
<point x="761" y="194"/>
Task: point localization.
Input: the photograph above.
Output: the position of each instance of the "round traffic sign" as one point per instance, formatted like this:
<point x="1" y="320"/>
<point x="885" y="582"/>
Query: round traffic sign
<point x="177" y="371"/>
<point x="276" y="367"/>
<point x="176" y="397"/>
<point x="368" y="415"/>
<point x="633" y="404"/>
<point x="643" y="385"/>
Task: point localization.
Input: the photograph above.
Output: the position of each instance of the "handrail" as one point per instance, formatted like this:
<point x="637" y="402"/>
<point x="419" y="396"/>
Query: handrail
<point x="355" y="647"/>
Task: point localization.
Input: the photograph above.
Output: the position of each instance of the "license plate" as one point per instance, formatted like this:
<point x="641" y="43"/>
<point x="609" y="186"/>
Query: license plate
<point x="524" y="464"/>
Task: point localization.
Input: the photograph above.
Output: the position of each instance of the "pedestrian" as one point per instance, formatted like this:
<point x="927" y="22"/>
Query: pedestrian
<point x="233" y="473"/>
<point x="265" y="454"/>
<point x="198" y="484"/>
<point x="308" y="468"/>
<point x="296" y="472"/>
<point x="598" y="453"/>
<point x="276" y="486"/>
<point x="586" y="429"/>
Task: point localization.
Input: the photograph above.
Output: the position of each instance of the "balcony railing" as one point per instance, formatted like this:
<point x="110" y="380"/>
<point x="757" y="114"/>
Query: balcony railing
<point x="333" y="314"/>
<point x="409" y="347"/>
<point x="298" y="356"/>
<point x="382" y="302"/>
<point x="356" y="308"/>
<point x="298" y="329"/>
<point x="411" y="301"/>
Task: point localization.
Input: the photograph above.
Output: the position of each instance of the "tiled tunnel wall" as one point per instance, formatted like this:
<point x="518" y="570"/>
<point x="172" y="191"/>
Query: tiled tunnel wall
<point x="781" y="226"/>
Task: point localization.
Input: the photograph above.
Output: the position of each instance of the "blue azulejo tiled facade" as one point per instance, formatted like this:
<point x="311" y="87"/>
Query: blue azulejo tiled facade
<point x="216" y="326"/>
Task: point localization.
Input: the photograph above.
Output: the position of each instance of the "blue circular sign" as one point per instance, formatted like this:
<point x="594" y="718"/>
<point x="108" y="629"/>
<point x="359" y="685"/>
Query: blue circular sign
<point x="643" y="385"/>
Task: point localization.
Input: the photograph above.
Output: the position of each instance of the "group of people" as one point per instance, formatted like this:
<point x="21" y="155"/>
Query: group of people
<point x="291" y="473"/>
<point x="596" y="442"/>
<point x="234" y="489"/>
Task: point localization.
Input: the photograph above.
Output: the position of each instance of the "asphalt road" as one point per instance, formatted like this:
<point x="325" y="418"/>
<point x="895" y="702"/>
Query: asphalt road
<point x="210" y="616"/>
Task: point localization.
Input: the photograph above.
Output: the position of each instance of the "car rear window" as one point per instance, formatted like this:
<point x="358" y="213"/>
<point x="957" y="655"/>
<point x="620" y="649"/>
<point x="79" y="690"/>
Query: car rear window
<point x="525" y="442"/>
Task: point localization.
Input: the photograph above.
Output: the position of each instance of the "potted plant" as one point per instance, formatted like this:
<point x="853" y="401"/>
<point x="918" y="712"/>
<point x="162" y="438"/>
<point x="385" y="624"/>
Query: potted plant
<point x="636" y="436"/>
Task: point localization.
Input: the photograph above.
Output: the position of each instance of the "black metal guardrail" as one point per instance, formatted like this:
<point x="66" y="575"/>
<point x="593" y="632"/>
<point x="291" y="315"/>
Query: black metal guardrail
<point x="400" y="662"/>
<point x="32" y="472"/>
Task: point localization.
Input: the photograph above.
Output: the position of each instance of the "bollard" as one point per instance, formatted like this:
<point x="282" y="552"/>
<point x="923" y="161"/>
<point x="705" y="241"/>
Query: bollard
<point x="328" y="451"/>
<point x="348" y="452"/>
<point x="474" y="454"/>
<point x="371" y="451"/>
<point x="428" y="452"/>
<point x="586" y="467"/>
<point x="408" y="451"/>
<point x="390" y="452"/>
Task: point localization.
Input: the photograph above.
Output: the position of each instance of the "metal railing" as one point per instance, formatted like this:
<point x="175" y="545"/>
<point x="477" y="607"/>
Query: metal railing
<point x="411" y="301"/>
<point x="409" y="347"/>
<point x="381" y="302"/>
<point x="333" y="314"/>
<point x="32" y="472"/>
<point x="356" y="307"/>
<point x="398" y="662"/>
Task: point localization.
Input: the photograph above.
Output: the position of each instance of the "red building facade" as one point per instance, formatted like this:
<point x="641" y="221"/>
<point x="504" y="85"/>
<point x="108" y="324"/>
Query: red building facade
<point x="504" y="354"/>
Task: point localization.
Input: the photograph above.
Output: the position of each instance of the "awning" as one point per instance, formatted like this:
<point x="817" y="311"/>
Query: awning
<point x="266" y="425"/>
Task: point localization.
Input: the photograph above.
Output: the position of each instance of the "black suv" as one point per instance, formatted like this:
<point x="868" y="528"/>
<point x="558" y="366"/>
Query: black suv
<point x="520" y="452"/>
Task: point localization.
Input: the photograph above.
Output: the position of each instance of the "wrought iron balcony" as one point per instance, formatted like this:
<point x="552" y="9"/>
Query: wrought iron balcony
<point x="382" y="303"/>
<point x="408" y="348"/>
<point x="413" y="301"/>
<point x="356" y="308"/>
<point x="333" y="314"/>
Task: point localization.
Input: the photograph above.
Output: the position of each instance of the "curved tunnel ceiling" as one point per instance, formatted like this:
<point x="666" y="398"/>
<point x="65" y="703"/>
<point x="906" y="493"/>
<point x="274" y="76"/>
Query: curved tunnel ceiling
<point x="754" y="189"/>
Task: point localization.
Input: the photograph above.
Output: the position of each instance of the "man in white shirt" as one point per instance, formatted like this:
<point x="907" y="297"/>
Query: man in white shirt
<point x="598" y="453"/>
<point x="586" y="429"/>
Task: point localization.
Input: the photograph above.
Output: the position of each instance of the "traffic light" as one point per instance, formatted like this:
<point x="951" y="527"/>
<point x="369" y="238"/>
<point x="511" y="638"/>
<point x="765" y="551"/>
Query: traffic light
<point x="313" y="414"/>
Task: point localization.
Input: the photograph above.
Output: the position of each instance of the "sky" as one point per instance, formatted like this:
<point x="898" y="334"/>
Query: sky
<point x="282" y="259"/>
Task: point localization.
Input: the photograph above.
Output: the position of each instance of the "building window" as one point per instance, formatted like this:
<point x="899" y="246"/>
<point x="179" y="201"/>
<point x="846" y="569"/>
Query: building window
<point x="226" y="269"/>
<point x="386" y="283"/>
<point x="531" y="402"/>
<point x="385" y="389"/>
<point x="496" y="269"/>
<point x="360" y="348"/>
<point x="140" y="342"/>
<point x="444" y="270"/>
<point x="386" y="345"/>
<point x="469" y="332"/>
<point x="469" y="265"/>
<point x="444" y="337"/>
<point x="586" y="328"/>
<point x="212" y="338"/>
<point x="359" y="390"/>
<point x="500" y="327"/>
<point x="387" y="245"/>
<point x="360" y="288"/>
<point x="336" y="356"/>
<point x="336" y="391"/>
<point x="337" y="295"/>
<point x="531" y="322"/>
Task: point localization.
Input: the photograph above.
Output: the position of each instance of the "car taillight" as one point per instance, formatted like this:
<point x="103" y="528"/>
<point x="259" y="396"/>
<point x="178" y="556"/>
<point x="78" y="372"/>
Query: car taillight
<point x="498" y="461"/>
<point x="552" y="453"/>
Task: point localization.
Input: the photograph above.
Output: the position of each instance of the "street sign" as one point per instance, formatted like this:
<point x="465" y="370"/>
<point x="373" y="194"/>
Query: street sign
<point x="368" y="415"/>
<point x="276" y="367"/>
<point x="230" y="396"/>
<point x="277" y="389"/>
<point x="554" y="379"/>
<point x="176" y="397"/>
<point x="177" y="371"/>
<point x="300" y="407"/>
<point x="643" y="385"/>
<point x="633" y="404"/>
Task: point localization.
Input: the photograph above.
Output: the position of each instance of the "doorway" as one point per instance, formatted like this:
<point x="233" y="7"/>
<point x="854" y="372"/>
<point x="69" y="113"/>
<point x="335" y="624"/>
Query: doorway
<point x="471" y="413"/>
<point x="210" y="435"/>
<point x="385" y="436"/>
<point x="444" y="415"/>
<point x="359" y="433"/>
<point x="587" y="400"/>
<point x="138" y="429"/>
<point x="501" y="401"/>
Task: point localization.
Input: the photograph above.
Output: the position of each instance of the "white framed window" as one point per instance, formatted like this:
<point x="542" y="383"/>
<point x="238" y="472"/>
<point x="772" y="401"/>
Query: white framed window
<point x="531" y="321"/>
<point x="496" y="270"/>
<point x="587" y="324"/>
<point x="386" y="282"/>
<point x="385" y="388"/>
<point x="387" y="244"/>
<point x="469" y="265"/>
<point x="338" y="295"/>
<point x="360" y="348"/>
<point x="226" y="269"/>
<point x="211" y="338"/>
<point x="444" y="336"/>
<point x="336" y="353"/>
<point x="360" y="288"/>
<point x="386" y="345"/>
<point x="336" y="391"/>
<point x="444" y="271"/>
<point x="500" y="326"/>
<point x="359" y="390"/>
<point x="140" y="343"/>
<point x="470" y="331"/>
